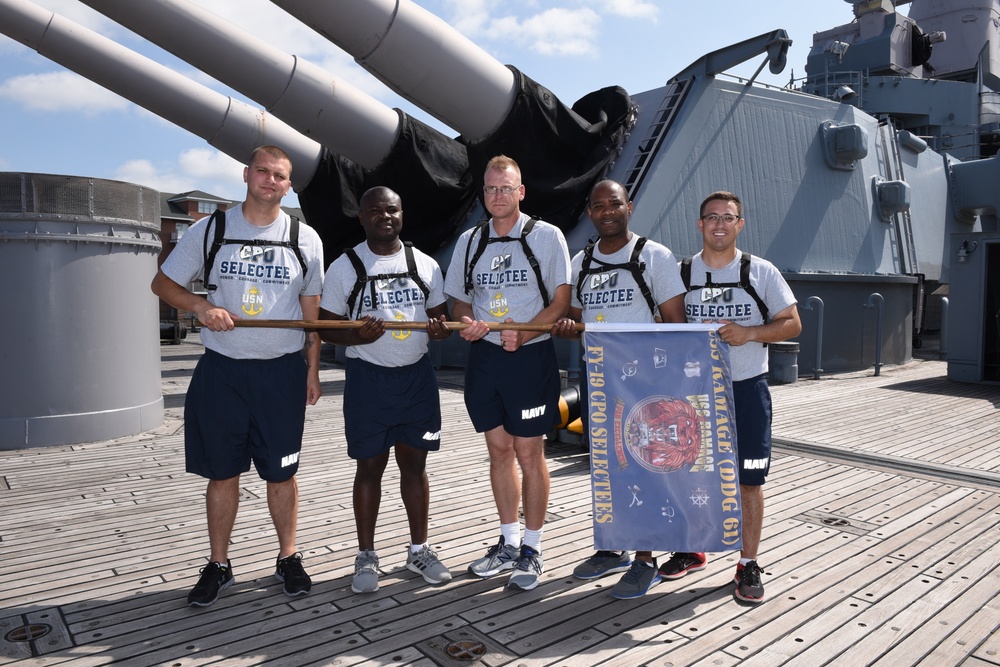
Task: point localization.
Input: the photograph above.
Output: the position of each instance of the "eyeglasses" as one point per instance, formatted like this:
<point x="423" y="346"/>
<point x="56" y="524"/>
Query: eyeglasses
<point x="713" y="218"/>
<point x="505" y="190"/>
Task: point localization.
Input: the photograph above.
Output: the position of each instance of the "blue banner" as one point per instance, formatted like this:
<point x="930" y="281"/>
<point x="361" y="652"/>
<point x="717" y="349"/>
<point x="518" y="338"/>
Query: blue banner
<point x="662" y="433"/>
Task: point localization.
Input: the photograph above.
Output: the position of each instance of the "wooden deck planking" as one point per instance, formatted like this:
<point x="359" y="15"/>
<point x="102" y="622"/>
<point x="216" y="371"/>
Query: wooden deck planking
<point x="778" y="627"/>
<point x="818" y="639"/>
<point x="111" y="541"/>
<point x="827" y="411"/>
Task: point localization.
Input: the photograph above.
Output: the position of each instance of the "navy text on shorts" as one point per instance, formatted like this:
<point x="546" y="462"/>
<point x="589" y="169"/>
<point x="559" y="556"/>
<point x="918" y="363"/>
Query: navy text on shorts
<point x="517" y="390"/>
<point x="242" y="410"/>
<point x="752" y="400"/>
<point x="384" y="405"/>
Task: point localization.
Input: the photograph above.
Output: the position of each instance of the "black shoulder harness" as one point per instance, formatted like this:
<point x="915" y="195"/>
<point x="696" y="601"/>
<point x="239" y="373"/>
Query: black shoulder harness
<point x="744" y="282"/>
<point x="363" y="277"/>
<point x="485" y="240"/>
<point x="219" y="239"/>
<point x="634" y="266"/>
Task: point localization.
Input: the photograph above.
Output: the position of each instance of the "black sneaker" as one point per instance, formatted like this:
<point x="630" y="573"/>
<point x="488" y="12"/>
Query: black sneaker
<point x="637" y="581"/>
<point x="215" y="578"/>
<point x="749" y="587"/>
<point x="602" y="563"/>
<point x="290" y="571"/>
<point x="681" y="563"/>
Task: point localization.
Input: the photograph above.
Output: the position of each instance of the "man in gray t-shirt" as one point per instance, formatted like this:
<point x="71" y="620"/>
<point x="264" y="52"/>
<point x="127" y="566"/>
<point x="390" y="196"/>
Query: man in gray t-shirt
<point x="615" y="283"/>
<point x="717" y="293"/>
<point x="382" y="279"/>
<point x="248" y="395"/>
<point x="511" y="376"/>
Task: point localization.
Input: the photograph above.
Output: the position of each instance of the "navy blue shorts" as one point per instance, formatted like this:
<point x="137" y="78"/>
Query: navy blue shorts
<point x="386" y="405"/>
<point x="752" y="401"/>
<point x="242" y="410"/>
<point x="517" y="390"/>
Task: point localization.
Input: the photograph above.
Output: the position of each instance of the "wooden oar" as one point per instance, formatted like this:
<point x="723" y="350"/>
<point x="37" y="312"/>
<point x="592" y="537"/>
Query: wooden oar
<point x="392" y="324"/>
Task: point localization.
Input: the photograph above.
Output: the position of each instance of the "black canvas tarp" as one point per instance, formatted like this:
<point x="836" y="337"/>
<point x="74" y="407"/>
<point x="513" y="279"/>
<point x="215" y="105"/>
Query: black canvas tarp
<point x="562" y="152"/>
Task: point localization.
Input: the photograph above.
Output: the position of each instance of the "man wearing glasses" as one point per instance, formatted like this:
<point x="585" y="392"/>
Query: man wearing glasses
<point x="511" y="269"/>
<point x="753" y="303"/>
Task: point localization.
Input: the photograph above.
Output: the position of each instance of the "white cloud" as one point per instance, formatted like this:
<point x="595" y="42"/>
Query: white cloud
<point x="202" y="169"/>
<point x="469" y="17"/>
<point x="208" y="164"/>
<point x="60" y="91"/>
<point x="563" y="32"/>
<point x="632" y="9"/>
<point x="555" y="31"/>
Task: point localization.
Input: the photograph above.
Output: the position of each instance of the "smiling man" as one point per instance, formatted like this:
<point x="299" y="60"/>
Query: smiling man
<point x="391" y="400"/>
<point x="621" y="278"/>
<point x="749" y="297"/>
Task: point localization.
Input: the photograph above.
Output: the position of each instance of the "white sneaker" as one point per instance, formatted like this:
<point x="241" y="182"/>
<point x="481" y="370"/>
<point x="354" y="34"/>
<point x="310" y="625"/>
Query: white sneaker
<point x="425" y="563"/>
<point x="527" y="569"/>
<point x="365" y="572"/>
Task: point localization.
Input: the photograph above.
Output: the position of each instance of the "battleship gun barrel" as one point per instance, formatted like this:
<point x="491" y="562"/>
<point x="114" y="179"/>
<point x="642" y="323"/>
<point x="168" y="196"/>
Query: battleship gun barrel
<point x="361" y="143"/>
<point x="418" y="55"/>
<point x="232" y="126"/>
<point x="562" y="150"/>
<point x="342" y="118"/>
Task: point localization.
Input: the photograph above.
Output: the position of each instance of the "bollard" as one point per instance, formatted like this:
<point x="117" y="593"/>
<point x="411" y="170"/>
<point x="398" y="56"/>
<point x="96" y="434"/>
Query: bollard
<point x="818" y="303"/>
<point x="872" y="298"/>
<point x="943" y="349"/>
<point x="783" y="362"/>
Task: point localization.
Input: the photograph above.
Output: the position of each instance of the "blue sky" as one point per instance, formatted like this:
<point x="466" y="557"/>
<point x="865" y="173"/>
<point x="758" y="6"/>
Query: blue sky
<point x="56" y="122"/>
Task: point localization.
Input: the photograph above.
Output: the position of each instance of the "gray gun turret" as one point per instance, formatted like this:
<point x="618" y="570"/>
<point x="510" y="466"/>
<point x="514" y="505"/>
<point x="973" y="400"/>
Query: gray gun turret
<point x="497" y="109"/>
<point x="366" y="141"/>
<point x="853" y="179"/>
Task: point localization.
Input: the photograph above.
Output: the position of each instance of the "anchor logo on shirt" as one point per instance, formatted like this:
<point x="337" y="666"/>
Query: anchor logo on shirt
<point x="253" y="303"/>
<point x="498" y="305"/>
<point x="400" y="334"/>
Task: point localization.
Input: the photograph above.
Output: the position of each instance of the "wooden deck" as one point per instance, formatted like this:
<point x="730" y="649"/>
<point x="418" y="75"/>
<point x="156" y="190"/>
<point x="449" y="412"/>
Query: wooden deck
<point x="881" y="546"/>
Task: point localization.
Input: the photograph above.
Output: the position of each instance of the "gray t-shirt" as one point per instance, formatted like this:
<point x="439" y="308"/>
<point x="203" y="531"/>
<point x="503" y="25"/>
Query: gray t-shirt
<point x="613" y="295"/>
<point x="395" y="299"/>
<point x="733" y="304"/>
<point x="503" y="283"/>
<point x="255" y="281"/>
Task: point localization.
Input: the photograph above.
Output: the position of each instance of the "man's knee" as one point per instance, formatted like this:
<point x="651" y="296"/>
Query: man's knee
<point x="284" y="486"/>
<point x="529" y="451"/>
<point x="501" y="453"/>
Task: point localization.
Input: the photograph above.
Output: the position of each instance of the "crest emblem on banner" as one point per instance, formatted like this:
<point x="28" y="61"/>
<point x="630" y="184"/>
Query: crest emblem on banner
<point x="663" y="434"/>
